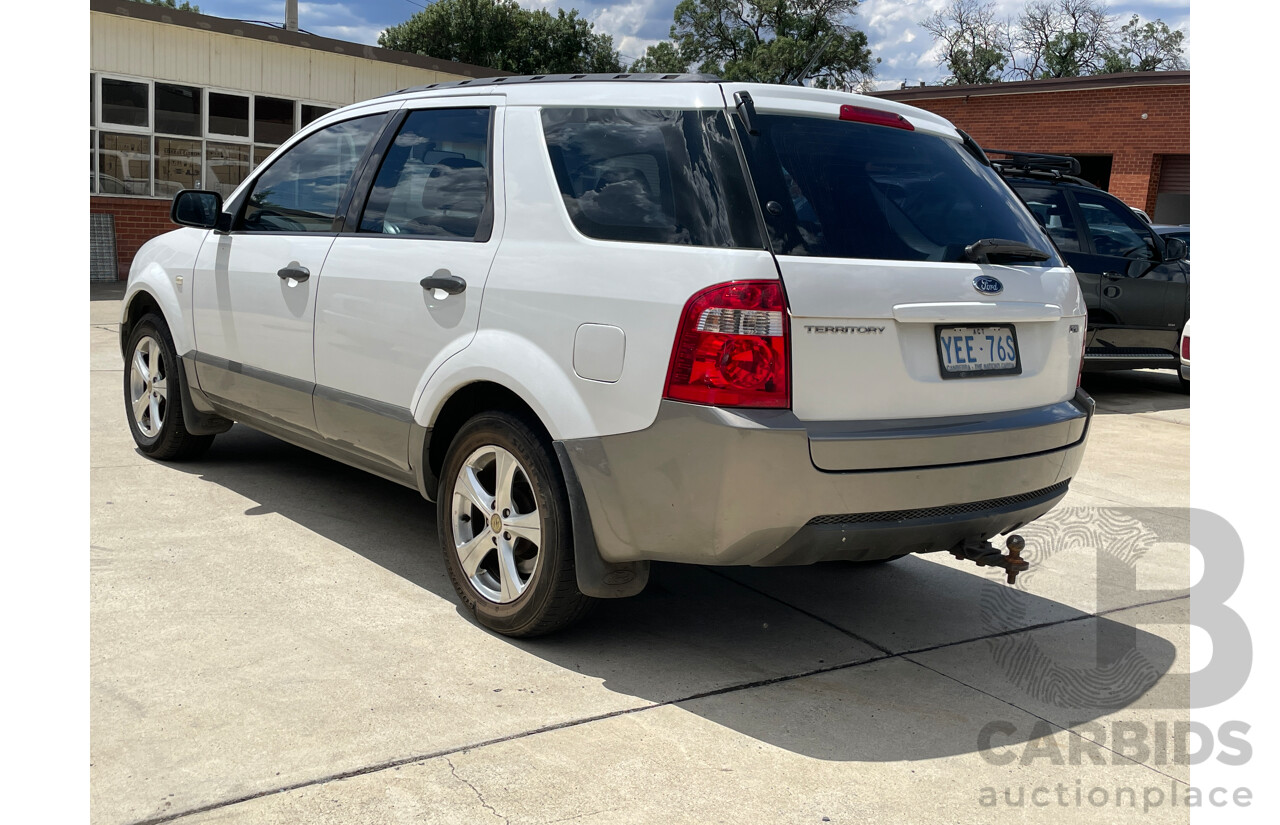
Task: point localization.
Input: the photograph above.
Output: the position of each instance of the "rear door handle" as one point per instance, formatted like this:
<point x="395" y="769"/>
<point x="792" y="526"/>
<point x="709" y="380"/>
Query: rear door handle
<point x="1112" y="276"/>
<point x="294" y="270"/>
<point x="451" y="284"/>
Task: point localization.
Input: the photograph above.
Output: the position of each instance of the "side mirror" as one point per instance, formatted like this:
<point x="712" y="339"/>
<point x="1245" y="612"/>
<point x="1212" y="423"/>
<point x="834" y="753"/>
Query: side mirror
<point x="196" y="207"/>
<point x="1175" y="249"/>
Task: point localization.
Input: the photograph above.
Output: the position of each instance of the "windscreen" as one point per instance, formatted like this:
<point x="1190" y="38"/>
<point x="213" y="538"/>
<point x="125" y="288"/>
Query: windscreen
<point x="840" y="189"/>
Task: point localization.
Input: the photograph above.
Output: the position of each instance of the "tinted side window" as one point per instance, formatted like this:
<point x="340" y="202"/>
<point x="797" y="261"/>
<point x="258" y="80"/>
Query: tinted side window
<point x="1054" y="213"/>
<point x="1114" y="229"/>
<point x="434" y="181"/>
<point x="301" y="191"/>
<point x="658" y="176"/>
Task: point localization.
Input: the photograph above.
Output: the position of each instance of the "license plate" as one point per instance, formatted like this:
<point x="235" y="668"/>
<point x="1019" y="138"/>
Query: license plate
<point x="971" y="352"/>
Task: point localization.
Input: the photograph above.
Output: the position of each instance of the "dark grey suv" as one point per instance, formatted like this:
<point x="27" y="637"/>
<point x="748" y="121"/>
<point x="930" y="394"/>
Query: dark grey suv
<point x="1136" y="282"/>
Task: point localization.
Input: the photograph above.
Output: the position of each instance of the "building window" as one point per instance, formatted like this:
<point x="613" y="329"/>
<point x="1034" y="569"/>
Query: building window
<point x="150" y="138"/>
<point x="310" y="113"/>
<point x="124" y="164"/>
<point x="178" y="109"/>
<point x="228" y="115"/>
<point x="272" y="120"/>
<point x="260" y="154"/>
<point x="177" y="165"/>
<point x="126" y="103"/>
<point x="226" y="165"/>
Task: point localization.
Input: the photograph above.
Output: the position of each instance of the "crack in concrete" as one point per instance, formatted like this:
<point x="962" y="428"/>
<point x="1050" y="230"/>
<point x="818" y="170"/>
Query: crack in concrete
<point x="453" y="770"/>
<point x="573" y="723"/>
<point x="1048" y="722"/>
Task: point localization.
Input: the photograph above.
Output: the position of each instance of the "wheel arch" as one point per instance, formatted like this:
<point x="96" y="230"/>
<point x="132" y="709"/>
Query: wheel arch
<point x="464" y="403"/>
<point x="142" y="303"/>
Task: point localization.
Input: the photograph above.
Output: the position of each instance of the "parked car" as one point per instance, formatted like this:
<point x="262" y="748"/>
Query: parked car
<point x="603" y="322"/>
<point x="1136" y="282"/>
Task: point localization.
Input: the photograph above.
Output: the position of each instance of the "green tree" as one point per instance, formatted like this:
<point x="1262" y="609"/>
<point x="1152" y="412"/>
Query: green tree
<point x="972" y="45"/>
<point x="775" y="41"/>
<point x="1146" y="47"/>
<point x="499" y="34"/>
<point x="1064" y="38"/>
<point x="661" y="58"/>
<point x="171" y="4"/>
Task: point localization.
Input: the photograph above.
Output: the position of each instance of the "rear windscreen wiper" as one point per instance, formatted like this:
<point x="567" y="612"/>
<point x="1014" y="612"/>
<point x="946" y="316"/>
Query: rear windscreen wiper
<point x="988" y="250"/>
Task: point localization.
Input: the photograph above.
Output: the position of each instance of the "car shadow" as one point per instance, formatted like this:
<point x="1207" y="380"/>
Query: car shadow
<point x="696" y="633"/>
<point x="1130" y="391"/>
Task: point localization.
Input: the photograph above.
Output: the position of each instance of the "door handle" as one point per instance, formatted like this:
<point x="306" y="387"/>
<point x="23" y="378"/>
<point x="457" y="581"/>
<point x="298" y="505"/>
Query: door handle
<point x="451" y="284"/>
<point x="1112" y="276"/>
<point x="294" y="270"/>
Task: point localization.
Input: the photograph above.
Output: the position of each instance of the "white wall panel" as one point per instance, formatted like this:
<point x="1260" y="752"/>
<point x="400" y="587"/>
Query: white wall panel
<point x="374" y="79"/>
<point x="180" y="54"/>
<point x="286" y="70"/>
<point x="332" y="78"/>
<point x="235" y="63"/>
<point x="119" y="44"/>
<point x="162" y="51"/>
<point x="409" y="76"/>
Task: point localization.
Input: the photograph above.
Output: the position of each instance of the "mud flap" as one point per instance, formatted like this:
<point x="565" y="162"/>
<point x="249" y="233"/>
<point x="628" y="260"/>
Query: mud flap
<point x="596" y="577"/>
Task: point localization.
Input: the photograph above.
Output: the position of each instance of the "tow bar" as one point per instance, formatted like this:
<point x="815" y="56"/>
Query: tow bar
<point x="983" y="554"/>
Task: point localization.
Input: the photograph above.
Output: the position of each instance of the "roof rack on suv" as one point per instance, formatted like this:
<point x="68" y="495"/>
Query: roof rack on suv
<point x="1058" y="165"/>
<point x="634" y="77"/>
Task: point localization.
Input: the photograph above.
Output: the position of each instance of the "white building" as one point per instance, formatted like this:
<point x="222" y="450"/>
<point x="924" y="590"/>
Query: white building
<point x="180" y="100"/>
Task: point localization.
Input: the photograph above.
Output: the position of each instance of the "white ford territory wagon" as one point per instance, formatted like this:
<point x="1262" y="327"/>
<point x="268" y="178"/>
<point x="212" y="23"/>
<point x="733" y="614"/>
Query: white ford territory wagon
<point x="602" y="321"/>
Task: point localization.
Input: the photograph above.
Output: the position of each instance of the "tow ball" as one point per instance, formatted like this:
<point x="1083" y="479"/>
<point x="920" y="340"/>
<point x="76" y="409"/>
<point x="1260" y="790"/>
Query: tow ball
<point x="983" y="554"/>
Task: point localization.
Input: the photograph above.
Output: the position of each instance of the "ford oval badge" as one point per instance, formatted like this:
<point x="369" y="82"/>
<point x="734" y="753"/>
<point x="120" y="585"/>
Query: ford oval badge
<point x="988" y="285"/>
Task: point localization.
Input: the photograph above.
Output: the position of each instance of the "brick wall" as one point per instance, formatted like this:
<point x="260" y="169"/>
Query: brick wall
<point x="138" y="220"/>
<point x="1099" y="121"/>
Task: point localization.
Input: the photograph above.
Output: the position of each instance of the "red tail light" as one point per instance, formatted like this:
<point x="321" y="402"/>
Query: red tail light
<point x="1186" y="347"/>
<point x="861" y="114"/>
<point x="732" y="348"/>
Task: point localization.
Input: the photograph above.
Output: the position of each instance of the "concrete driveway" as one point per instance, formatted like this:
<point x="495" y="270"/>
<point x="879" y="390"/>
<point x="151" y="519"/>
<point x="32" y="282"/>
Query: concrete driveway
<point x="274" y="639"/>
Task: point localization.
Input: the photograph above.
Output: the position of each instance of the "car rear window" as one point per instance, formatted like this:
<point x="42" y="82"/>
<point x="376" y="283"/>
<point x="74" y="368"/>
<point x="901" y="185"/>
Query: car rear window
<point x="842" y="189"/>
<point x="656" y="176"/>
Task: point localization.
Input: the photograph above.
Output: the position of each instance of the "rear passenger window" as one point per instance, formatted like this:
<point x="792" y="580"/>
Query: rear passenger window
<point x="301" y="190"/>
<point x="434" y="182"/>
<point x="656" y="176"/>
<point x="1054" y="214"/>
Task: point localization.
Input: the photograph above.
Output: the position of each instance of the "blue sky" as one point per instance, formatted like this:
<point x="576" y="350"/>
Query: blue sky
<point x="892" y="26"/>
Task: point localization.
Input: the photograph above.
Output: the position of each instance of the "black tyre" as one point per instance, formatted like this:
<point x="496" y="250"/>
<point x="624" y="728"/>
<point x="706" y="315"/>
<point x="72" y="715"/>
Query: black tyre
<point x="152" y="394"/>
<point x="503" y="516"/>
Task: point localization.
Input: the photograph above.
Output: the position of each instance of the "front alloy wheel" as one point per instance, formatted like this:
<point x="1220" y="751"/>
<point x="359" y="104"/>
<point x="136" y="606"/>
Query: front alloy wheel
<point x="153" y="394"/>
<point x="148" y="386"/>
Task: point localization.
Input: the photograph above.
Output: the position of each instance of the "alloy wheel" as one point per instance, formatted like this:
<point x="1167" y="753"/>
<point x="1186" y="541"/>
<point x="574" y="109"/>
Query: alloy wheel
<point x="148" y="386"/>
<point x="497" y="529"/>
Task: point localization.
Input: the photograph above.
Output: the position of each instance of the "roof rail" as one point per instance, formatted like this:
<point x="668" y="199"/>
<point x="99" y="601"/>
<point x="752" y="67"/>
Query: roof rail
<point x="632" y="77"/>
<point x="1059" y="165"/>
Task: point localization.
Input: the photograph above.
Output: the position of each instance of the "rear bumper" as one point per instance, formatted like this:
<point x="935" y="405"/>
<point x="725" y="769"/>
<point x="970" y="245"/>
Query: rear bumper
<point x="715" y="486"/>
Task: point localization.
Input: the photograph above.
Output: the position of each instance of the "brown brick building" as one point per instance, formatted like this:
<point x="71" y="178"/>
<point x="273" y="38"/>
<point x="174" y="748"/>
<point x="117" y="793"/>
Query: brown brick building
<point x="1131" y="132"/>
